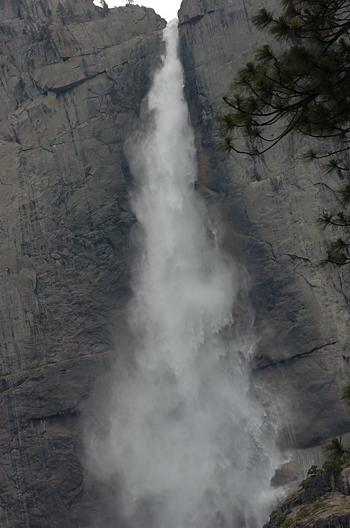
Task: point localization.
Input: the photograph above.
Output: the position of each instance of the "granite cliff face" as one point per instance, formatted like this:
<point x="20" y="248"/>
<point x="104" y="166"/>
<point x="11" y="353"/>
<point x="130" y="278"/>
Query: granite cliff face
<point x="270" y="207"/>
<point x="71" y="84"/>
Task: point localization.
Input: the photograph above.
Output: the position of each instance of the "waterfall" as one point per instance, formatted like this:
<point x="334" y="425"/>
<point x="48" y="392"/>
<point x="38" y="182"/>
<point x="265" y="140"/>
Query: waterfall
<point x="187" y="440"/>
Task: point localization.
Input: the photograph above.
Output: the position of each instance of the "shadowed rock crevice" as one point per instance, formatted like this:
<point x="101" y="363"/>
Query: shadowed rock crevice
<point x="263" y="363"/>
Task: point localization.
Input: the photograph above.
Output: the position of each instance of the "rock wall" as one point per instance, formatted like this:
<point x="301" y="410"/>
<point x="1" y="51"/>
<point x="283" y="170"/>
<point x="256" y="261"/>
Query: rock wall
<point x="270" y="207"/>
<point x="72" y="78"/>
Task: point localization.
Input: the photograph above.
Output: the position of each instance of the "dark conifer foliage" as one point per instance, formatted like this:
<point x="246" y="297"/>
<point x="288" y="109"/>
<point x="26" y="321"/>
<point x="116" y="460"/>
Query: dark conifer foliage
<point x="104" y="6"/>
<point x="301" y="84"/>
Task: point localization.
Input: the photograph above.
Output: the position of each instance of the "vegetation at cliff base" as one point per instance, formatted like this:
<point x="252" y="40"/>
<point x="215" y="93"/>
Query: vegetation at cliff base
<point x="300" y="84"/>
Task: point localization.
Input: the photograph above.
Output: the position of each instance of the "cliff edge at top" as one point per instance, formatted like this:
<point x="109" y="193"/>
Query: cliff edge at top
<point x="10" y="9"/>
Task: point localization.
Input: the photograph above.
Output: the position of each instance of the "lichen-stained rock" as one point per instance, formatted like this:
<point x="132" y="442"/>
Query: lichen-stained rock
<point x="271" y="206"/>
<point x="72" y="78"/>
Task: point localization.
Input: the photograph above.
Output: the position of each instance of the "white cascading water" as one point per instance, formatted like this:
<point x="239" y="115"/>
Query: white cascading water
<point x="188" y="441"/>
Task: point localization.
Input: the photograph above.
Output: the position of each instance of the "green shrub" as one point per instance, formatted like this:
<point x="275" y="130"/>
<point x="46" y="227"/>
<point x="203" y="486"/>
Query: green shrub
<point x="287" y="523"/>
<point x="280" y="519"/>
<point x="302" y="514"/>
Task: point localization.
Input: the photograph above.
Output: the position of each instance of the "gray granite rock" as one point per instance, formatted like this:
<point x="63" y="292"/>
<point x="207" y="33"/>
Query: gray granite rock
<point x="72" y="79"/>
<point x="270" y="207"/>
<point x="343" y="481"/>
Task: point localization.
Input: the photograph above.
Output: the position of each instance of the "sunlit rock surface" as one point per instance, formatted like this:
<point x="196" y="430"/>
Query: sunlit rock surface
<point x="71" y="84"/>
<point x="270" y="207"/>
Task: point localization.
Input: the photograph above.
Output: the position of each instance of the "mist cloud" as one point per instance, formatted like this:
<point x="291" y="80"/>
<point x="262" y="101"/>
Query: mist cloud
<point x="188" y="444"/>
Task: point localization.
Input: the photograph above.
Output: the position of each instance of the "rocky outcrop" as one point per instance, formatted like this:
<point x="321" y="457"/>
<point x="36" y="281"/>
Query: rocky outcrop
<point x="322" y="501"/>
<point x="72" y="78"/>
<point x="270" y="207"/>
